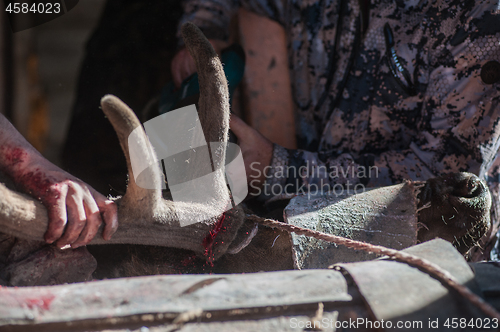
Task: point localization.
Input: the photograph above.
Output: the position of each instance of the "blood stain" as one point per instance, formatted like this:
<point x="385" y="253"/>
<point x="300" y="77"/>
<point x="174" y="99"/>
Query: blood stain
<point x="14" y="156"/>
<point x="42" y="302"/>
<point x="209" y="240"/>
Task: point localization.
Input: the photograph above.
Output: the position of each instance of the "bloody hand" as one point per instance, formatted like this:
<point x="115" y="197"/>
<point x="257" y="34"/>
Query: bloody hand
<point x="75" y="209"/>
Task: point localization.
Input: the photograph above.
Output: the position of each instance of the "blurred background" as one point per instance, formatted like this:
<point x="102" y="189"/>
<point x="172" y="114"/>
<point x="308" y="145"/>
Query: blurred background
<point x="38" y="74"/>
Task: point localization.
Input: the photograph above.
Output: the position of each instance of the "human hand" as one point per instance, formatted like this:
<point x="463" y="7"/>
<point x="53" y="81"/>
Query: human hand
<point x="75" y="209"/>
<point x="183" y="64"/>
<point x="257" y="152"/>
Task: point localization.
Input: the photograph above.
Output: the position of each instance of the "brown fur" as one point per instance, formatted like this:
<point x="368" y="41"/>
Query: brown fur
<point x="459" y="210"/>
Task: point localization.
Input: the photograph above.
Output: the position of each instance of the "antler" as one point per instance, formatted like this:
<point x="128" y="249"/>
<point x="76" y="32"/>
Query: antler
<point x="144" y="216"/>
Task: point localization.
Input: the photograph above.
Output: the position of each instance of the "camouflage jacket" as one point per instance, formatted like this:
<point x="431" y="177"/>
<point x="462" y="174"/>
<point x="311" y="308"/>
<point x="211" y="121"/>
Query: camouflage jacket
<point x="384" y="91"/>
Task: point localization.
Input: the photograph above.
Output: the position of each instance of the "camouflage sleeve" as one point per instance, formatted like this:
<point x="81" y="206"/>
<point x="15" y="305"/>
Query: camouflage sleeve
<point x="464" y="140"/>
<point x="299" y="171"/>
<point x="213" y="16"/>
<point x="459" y="129"/>
<point x="462" y="100"/>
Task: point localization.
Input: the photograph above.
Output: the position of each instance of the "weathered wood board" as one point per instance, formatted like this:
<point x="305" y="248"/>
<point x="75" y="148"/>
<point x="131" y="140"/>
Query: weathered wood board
<point x="269" y="301"/>
<point x="164" y="298"/>
<point x="395" y="292"/>
<point x="384" y="216"/>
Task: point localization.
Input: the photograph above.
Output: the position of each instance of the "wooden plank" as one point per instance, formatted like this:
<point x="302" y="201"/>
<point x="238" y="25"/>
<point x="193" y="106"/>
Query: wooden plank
<point x="247" y="302"/>
<point x="168" y="295"/>
<point x="383" y="216"/>
<point x="399" y="292"/>
<point x="292" y="323"/>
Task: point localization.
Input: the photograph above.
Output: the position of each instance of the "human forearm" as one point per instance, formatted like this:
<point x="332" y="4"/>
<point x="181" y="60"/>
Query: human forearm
<point x="15" y="152"/>
<point x="75" y="209"/>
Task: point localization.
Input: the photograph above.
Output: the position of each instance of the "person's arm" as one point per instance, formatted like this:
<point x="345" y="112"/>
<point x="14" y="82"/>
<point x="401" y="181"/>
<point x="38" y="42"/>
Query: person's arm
<point x="75" y="209"/>
<point x="460" y="130"/>
<point x="273" y="170"/>
<point x="465" y="139"/>
<point x="212" y="17"/>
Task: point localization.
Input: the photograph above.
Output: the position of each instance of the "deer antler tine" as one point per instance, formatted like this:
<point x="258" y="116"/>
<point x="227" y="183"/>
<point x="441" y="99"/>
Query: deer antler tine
<point x="214" y="94"/>
<point x="133" y="140"/>
<point x="120" y="115"/>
